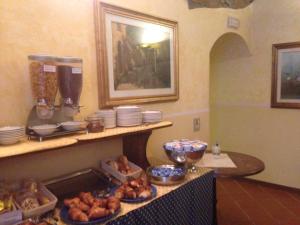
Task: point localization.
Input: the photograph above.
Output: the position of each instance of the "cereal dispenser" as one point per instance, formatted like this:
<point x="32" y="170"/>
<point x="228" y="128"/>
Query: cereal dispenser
<point x="50" y="74"/>
<point x="44" y="84"/>
<point x="69" y="73"/>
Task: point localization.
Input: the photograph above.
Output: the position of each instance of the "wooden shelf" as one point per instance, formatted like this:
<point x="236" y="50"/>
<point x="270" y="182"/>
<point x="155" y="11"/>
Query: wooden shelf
<point x="32" y="146"/>
<point x="120" y="131"/>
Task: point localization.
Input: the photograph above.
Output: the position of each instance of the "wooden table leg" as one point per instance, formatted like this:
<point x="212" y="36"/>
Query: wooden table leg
<point x="134" y="147"/>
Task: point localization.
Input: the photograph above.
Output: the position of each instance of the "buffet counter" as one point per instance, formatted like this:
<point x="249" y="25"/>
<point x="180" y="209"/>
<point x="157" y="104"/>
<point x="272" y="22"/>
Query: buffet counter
<point x="191" y="202"/>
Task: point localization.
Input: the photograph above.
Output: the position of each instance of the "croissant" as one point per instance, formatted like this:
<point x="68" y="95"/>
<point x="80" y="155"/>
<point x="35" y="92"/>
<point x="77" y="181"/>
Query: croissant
<point x="97" y="212"/>
<point x="123" y="160"/>
<point x="144" y="194"/>
<point x="71" y="202"/>
<point x="112" y="199"/>
<point x="130" y="194"/>
<point x="119" y="193"/>
<point x="134" y="183"/>
<point x="128" y="189"/>
<point x="144" y="180"/>
<point x="122" y="168"/>
<point x="83" y="207"/>
<point x="113" y="206"/>
<point x="77" y="215"/>
<point x="100" y="203"/>
<point x="87" y="198"/>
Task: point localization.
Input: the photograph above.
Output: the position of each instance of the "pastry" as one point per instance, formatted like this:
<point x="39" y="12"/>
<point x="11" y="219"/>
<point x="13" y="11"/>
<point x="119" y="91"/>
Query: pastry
<point x="86" y="207"/>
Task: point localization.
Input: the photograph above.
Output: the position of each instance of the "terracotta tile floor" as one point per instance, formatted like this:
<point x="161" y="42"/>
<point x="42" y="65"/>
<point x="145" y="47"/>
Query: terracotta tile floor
<point x="244" y="202"/>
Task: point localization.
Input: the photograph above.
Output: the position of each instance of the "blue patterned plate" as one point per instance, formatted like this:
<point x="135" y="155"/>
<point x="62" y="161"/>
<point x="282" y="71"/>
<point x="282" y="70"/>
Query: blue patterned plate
<point x="137" y="200"/>
<point x="65" y="217"/>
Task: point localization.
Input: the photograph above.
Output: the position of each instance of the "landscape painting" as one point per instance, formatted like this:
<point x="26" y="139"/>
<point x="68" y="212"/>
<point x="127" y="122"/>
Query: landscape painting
<point x="140" y="60"/>
<point x="286" y="75"/>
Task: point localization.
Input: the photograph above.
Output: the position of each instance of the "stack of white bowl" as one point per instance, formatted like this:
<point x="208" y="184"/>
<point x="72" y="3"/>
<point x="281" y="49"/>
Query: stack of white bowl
<point x="129" y="116"/>
<point x="11" y="134"/>
<point x="152" y="116"/>
<point x="109" y="117"/>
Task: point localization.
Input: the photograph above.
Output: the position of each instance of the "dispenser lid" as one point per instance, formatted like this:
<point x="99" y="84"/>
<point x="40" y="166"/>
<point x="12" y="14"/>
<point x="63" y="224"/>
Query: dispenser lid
<point x="41" y="57"/>
<point x="68" y="59"/>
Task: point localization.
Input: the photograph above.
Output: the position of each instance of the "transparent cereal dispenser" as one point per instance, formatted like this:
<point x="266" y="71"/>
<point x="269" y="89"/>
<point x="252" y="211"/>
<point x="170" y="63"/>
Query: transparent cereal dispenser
<point x="44" y="84"/>
<point x="69" y="72"/>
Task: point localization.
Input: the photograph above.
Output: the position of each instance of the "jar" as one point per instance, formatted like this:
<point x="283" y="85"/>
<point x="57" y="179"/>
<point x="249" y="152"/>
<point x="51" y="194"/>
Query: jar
<point x="95" y="124"/>
<point x="216" y="149"/>
<point x="42" y="69"/>
<point x="69" y="70"/>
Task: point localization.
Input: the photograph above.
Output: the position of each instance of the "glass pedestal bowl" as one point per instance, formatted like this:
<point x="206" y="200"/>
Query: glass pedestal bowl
<point x="182" y="153"/>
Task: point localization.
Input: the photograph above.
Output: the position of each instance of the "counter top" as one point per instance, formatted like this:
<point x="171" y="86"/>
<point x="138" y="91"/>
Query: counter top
<point x="32" y="146"/>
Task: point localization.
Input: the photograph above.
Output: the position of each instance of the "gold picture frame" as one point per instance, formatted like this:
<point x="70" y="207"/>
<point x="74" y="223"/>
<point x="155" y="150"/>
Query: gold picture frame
<point x="137" y="56"/>
<point x="286" y="75"/>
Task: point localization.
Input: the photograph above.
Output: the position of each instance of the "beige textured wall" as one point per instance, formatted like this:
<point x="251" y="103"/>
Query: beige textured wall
<point x="242" y="118"/>
<point x="67" y="28"/>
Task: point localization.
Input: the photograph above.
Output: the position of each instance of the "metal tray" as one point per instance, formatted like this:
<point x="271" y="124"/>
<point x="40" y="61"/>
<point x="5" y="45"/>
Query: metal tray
<point x="88" y="180"/>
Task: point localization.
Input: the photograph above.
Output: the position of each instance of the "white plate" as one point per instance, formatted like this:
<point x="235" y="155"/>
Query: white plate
<point x="129" y="121"/>
<point x="129" y="118"/>
<point x="152" y="112"/>
<point x="13" y="133"/>
<point x="128" y="107"/>
<point x="9" y="142"/>
<point x="130" y="115"/>
<point x="12" y="136"/>
<point x="11" y="128"/>
<point x="110" y="126"/>
<point x="128" y="110"/>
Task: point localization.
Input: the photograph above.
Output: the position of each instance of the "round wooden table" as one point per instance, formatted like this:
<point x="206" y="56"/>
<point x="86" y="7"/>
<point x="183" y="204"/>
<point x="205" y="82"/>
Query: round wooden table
<point x="246" y="165"/>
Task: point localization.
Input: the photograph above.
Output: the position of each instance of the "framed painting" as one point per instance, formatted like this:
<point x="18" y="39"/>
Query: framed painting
<point x="137" y="56"/>
<point x="286" y="75"/>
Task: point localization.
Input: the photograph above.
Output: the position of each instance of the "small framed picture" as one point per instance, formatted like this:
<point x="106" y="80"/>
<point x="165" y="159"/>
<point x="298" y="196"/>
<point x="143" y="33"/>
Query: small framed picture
<point x="286" y="75"/>
<point x="137" y="56"/>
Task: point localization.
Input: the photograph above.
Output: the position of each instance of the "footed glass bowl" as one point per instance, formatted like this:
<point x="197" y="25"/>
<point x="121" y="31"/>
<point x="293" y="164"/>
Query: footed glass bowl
<point x="185" y="152"/>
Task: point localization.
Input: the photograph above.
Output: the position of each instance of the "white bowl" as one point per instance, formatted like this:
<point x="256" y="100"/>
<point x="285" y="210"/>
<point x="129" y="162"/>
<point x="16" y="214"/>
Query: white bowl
<point x="74" y="125"/>
<point x="45" y="129"/>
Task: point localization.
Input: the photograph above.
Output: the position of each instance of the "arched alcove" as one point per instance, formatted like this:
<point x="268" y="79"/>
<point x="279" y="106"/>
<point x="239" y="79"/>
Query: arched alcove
<point x="227" y="56"/>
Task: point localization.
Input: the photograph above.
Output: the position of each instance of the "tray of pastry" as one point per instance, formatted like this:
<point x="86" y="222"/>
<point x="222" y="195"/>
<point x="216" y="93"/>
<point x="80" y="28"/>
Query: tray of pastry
<point x="88" y="180"/>
<point x="120" y="168"/>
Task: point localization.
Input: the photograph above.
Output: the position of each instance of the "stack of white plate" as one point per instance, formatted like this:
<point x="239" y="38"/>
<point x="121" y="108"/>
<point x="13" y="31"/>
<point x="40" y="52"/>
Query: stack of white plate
<point x="11" y="135"/>
<point x="109" y="117"/>
<point x="129" y="116"/>
<point x="152" y="116"/>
